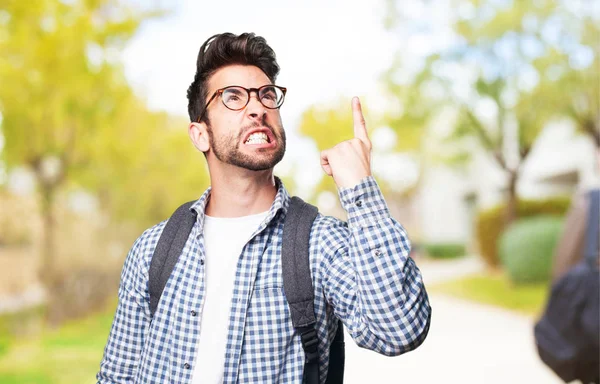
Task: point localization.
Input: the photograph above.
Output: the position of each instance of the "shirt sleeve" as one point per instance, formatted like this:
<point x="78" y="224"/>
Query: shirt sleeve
<point x="130" y="325"/>
<point x="373" y="285"/>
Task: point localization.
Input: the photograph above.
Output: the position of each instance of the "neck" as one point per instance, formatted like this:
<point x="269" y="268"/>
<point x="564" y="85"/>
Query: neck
<point x="241" y="193"/>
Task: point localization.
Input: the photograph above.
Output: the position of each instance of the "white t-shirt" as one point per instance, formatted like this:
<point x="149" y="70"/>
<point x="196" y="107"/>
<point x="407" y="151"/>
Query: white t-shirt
<point x="224" y="239"/>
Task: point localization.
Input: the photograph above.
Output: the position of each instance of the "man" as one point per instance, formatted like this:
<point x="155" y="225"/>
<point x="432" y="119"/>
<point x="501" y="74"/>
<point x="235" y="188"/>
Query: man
<point x="223" y="315"/>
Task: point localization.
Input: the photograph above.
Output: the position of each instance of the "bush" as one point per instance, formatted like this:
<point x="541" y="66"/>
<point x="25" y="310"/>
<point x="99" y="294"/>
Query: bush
<point x="489" y="224"/>
<point x="444" y="250"/>
<point x="527" y="246"/>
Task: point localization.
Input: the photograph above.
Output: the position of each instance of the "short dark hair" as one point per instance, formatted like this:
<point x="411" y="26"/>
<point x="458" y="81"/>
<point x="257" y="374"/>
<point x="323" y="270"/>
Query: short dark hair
<point x="226" y="49"/>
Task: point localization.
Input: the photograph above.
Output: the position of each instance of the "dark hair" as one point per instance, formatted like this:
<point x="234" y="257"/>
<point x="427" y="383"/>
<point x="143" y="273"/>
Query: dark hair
<point x="226" y="49"/>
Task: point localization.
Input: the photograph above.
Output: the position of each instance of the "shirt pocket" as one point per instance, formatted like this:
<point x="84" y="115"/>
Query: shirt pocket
<point x="268" y="322"/>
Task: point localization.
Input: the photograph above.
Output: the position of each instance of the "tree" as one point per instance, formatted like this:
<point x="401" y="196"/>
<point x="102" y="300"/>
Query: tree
<point x="62" y="87"/>
<point x="503" y="71"/>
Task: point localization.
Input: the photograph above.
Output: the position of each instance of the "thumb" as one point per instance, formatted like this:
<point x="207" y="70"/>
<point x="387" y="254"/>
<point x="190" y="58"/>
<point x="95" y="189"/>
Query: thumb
<point x="325" y="163"/>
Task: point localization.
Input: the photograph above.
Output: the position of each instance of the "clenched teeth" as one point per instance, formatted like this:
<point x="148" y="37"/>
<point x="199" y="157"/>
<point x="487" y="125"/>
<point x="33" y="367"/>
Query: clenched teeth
<point x="258" y="138"/>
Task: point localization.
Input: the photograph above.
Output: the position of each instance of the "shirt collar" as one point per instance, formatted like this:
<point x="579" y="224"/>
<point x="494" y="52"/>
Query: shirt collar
<point x="281" y="203"/>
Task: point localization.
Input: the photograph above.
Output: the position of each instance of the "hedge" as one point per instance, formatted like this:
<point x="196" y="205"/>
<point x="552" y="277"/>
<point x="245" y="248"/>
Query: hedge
<point x="527" y="247"/>
<point x="444" y="250"/>
<point x="489" y="223"/>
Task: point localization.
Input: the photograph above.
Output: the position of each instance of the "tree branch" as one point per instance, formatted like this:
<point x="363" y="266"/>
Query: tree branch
<point x="484" y="138"/>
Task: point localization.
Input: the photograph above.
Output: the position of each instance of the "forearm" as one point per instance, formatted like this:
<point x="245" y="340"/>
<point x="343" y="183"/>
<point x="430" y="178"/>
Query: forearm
<point x="379" y="291"/>
<point x="130" y="325"/>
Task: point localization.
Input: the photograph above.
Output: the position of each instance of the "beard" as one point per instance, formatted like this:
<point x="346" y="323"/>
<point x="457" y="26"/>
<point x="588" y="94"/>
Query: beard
<point x="227" y="150"/>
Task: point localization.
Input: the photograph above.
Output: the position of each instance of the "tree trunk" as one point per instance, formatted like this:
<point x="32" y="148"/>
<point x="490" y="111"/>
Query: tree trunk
<point x="48" y="183"/>
<point x="591" y="128"/>
<point x="511" y="206"/>
<point x="47" y="262"/>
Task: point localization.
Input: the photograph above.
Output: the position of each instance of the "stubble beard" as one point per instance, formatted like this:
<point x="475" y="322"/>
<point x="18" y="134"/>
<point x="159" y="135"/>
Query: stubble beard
<point x="226" y="150"/>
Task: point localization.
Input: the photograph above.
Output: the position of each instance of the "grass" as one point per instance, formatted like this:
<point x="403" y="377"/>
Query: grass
<point x="496" y="289"/>
<point x="68" y="355"/>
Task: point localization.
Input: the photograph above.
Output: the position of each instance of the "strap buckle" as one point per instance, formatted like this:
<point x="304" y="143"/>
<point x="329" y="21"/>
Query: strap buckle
<point x="310" y="344"/>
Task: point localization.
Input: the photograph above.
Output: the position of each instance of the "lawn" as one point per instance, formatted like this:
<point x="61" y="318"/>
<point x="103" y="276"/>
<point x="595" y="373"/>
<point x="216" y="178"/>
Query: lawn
<point x="496" y="289"/>
<point x="70" y="354"/>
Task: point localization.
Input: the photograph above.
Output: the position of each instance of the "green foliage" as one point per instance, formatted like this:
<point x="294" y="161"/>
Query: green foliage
<point x="54" y="99"/>
<point x="64" y="96"/>
<point x="527" y="247"/>
<point x="496" y="289"/>
<point x="444" y="250"/>
<point x="331" y="124"/>
<point x="503" y="72"/>
<point x="412" y="109"/>
<point x="149" y="168"/>
<point x="490" y="223"/>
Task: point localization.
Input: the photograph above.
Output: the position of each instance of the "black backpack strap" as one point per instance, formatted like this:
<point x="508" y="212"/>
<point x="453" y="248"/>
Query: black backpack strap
<point x="297" y="281"/>
<point x="337" y="357"/>
<point x="167" y="251"/>
<point x="592" y="234"/>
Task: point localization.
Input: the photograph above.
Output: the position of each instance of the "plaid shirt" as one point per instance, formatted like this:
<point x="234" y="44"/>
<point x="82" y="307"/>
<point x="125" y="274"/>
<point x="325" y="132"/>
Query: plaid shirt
<point x="361" y="274"/>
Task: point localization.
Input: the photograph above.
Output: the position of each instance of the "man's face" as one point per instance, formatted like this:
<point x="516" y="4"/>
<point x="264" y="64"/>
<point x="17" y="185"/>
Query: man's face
<point x="237" y="137"/>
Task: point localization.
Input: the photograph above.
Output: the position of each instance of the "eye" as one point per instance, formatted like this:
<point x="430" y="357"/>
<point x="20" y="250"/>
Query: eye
<point x="269" y="94"/>
<point x="232" y="95"/>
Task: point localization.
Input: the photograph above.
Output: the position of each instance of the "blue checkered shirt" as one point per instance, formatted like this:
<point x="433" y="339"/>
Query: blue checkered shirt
<point x="361" y="272"/>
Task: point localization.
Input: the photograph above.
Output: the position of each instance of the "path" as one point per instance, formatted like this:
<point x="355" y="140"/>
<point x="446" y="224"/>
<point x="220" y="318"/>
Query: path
<point x="468" y="343"/>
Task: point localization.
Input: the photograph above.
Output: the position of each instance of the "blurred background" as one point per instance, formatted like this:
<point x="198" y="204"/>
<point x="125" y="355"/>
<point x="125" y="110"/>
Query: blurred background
<point x="484" y="116"/>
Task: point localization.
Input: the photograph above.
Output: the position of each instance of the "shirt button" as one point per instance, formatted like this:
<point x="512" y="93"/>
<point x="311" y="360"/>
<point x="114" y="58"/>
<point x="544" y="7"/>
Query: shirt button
<point x="378" y="252"/>
<point x="193" y="313"/>
<point x="186" y="366"/>
<point x="359" y="203"/>
<point x="201" y="261"/>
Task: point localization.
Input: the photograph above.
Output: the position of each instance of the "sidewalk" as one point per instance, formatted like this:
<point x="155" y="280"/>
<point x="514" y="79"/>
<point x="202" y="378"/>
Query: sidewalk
<point x="468" y="343"/>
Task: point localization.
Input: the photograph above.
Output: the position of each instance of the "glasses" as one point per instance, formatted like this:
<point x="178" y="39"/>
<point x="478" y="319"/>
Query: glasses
<point x="235" y="97"/>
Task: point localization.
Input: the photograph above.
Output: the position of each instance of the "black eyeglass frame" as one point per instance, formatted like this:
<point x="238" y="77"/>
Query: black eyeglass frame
<point x="220" y="91"/>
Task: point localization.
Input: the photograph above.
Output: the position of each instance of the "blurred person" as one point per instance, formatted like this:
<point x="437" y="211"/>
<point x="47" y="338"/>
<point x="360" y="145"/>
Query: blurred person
<point x="568" y="333"/>
<point x="223" y="315"/>
<point x="569" y="249"/>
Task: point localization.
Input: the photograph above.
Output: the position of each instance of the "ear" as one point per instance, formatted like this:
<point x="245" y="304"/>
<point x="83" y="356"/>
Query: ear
<point x="199" y="136"/>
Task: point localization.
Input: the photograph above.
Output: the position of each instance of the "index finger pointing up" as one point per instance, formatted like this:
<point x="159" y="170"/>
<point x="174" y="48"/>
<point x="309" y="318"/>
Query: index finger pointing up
<point x="360" y="128"/>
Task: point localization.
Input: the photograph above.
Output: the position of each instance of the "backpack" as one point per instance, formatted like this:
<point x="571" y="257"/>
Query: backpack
<point x="568" y="333"/>
<point x="297" y="282"/>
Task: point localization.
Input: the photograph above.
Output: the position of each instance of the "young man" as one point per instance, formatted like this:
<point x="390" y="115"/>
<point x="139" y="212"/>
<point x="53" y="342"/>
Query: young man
<point x="223" y="315"/>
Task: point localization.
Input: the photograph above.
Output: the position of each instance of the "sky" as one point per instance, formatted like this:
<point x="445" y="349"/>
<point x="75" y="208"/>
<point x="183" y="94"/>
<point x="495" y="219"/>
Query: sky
<point x="326" y="50"/>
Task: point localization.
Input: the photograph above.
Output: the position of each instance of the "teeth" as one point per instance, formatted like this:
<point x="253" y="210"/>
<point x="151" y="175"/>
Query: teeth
<point x="257" y="138"/>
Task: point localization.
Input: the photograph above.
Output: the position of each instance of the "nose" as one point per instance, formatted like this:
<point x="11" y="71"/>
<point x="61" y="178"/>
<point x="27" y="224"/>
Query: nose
<point x="255" y="109"/>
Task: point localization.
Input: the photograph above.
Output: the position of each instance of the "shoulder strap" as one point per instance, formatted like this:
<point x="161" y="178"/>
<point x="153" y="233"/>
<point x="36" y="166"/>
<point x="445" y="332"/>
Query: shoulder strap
<point x="297" y="281"/>
<point x="592" y="234"/>
<point x="167" y="251"/>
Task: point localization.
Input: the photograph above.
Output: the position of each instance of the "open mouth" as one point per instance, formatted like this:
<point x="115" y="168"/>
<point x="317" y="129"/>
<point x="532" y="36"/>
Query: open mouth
<point x="258" y="138"/>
